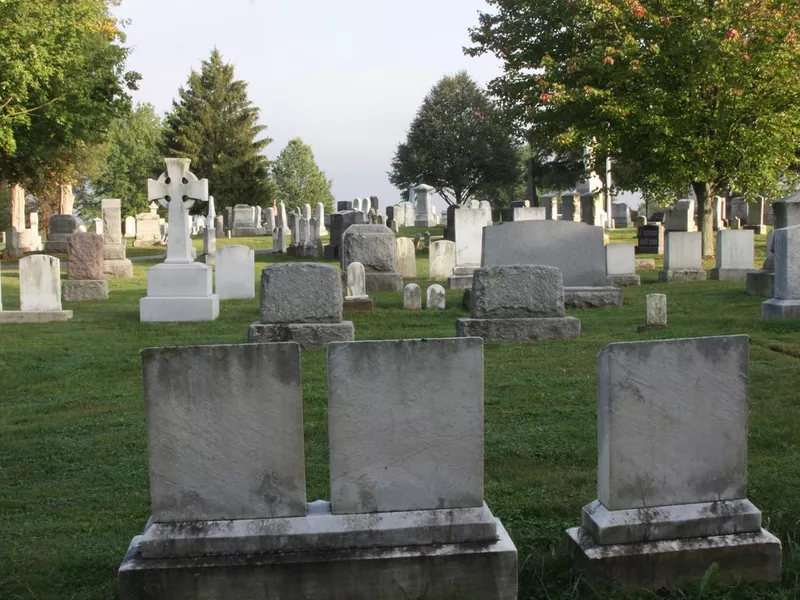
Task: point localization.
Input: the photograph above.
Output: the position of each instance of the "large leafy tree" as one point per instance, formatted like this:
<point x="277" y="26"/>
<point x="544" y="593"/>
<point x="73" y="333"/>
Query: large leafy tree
<point x="215" y="125"/>
<point x="133" y="154"/>
<point x="62" y="83"/>
<point x="298" y="179"/>
<point x="689" y="92"/>
<point x="459" y="143"/>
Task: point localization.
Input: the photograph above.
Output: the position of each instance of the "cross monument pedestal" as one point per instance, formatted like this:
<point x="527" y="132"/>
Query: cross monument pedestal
<point x="178" y="289"/>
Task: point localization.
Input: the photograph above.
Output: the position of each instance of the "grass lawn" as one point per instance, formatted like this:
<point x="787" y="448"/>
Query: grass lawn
<point x="73" y="450"/>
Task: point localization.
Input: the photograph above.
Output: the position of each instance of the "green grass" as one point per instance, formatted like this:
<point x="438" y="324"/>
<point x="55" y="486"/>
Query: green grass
<point x="73" y="450"/>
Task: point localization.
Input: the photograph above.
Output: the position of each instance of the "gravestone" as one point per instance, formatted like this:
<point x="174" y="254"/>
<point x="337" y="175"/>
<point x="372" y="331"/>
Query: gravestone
<point x="30" y="239"/>
<point x="442" y="260"/>
<point x="423" y="217"/>
<point x="786" y="300"/>
<point x="518" y="303"/>
<point x="130" y="227"/>
<point x="639" y="222"/>
<point x="356" y="297"/>
<point x="670" y="504"/>
<point x="148" y="227"/>
<point x="269" y="221"/>
<point x="234" y="272"/>
<point x="683" y="258"/>
<point x="244" y="222"/>
<point x="577" y="249"/>
<point x="301" y="302"/>
<point x="209" y="245"/>
<point x="650" y="239"/>
<point x="319" y="213"/>
<point x="344" y="205"/>
<point x="374" y="247"/>
<point x="786" y="214"/>
<point x="86" y="277"/>
<point x="528" y="213"/>
<point x="280" y="241"/>
<point x="13" y="249"/>
<point x="550" y="203"/>
<point x="656" y="312"/>
<point x="61" y="229"/>
<point x="681" y="217"/>
<point x="115" y="263"/>
<point x="571" y="207"/>
<point x="426" y="240"/>
<point x="621" y="265"/>
<point x="406" y="258"/>
<point x="412" y="297"/>
<point x="39" y="292"/>
<point x="468" y="226"/>
<point x="621" y="214"/>
<point x="97" y="225"/>
<point x="179" y="289"/>
<point x="435" y="297"/>
<point x="735" y="255"/>
<point x="755" y="216"/>
<point x="592" y="212"/>
<point x="340" y="222"/>
<point x="787" y="211"/>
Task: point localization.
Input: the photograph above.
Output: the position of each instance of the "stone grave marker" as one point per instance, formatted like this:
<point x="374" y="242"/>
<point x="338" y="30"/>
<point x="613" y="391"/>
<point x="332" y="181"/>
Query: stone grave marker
<point x="86" y="278"/>
<point x="235" y="277"/>
<point x="412" y="297"/>
<point x="406" y="258"/>
<point x="683" y="258"/>
<point x="621" y="265"/>
<point x="374" y="247"/>
<point x="442" y="260"/>
<point x="356" y="297"/>
<point x="786" y="300"/>
<point x="735" y="255"/>
<point x="436" y="297"/>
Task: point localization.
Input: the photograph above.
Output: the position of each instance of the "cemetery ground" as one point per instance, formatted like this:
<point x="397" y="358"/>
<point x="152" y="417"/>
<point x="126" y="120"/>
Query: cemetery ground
<point x="73" y="449"/>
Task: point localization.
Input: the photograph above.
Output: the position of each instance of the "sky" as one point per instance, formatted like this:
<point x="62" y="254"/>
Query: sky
<point x="346" y="76"/>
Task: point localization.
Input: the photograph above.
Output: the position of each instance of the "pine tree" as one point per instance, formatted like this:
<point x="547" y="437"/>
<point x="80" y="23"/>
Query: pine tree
<point x="298" y="179"/>
<point x="215" y="125"/>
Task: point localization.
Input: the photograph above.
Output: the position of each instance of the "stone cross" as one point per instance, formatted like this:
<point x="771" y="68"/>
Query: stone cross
<point x="177" y="190"/>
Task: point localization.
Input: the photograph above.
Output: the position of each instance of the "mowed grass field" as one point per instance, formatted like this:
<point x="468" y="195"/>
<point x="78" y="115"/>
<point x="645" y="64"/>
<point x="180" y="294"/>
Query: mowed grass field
<point x="73" y="448"/>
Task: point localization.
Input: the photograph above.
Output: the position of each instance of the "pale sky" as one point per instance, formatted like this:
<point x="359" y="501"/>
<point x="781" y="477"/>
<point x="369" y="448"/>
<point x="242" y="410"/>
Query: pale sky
<point x="347" y="76"/>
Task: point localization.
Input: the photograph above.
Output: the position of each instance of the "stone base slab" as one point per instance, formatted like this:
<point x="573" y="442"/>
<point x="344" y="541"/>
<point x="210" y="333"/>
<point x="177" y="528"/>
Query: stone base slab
<point x="319" y="531"/>
<point x="757" y="229"/>
<point x="592" y="297"/>
<point x="780" y="309"/>
<point x="181" y="309"/>
<point x="646" y="264"/>
<point x="57" y="246"/>
<point x="146" y="243"/>
<point x="761" y="283"/>
<point x="308" y="335"/>
<point x="114" y="252"/>
<point x="479" y="571"/>
<point x="704" y="519"/>
<point x="460" y="282"/>
<point x="365" y="304"/>
<point x="623" y="280"/>
<point x="682" y="275"/>
<point x="745" y="558"/>
<point x="247" y="231"/>
<point x="35" y="316"/>
<point x="519" y="330"/>
<point x="383" y="282"/>
<point x="84" y="290"/>
<point x="730" y="274"/>
<point x="118" y="269"/>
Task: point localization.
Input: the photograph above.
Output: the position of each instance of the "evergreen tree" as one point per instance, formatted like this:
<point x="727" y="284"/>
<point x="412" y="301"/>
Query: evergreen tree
<point x="215" y="125"/>
<point x="298" y="179"/>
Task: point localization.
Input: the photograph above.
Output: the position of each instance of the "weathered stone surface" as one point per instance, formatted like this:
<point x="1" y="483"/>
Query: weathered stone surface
<point x="485" y="571"/>
<point x="760" y="283"/>
<point x="112" y="222"/>
<point x="592" y="297"/>
<point x="787" y="211"/>
<point x="442" y="257"/>
<point x="436" y="297"/>
<point x="371" y="245"/>
<point x="787" y="263"/>
<point x="118" y="269"/>
<point x="519" y="330"/>
<point x="356" y="282"/>
<point x="468" y="225"/>
<point x="225" y="432"/>
<point x="682" y="275"/>
<point x="528" y="213"/>
<point x="406" y="258"/>
<point x="620" y="259"/>
<point x="395" y="447"/>
<point x="575" y="248"/>
<point x="25" y="317"/>
<point x="308" y="335"/>
<point x="665" y="409"/>
<point x="235" y="276"/>
<point x="85" y="256"/>
<point x="84" y="290"/>
<point x="40" y="283"/>
<point x="179" y="292"/>
<point x="735" y="255"/>
<point x="517" y="292"/>
<point x="364" y="304"/>
<point x="384" y="282"/>
<point x="683" y="251"/>
<point x="301" y="293"/>
<point x="656" y="311"/>
<point x="743" y="558"/>
<point x="412" y="297"/>
<point x="114" y="252"/>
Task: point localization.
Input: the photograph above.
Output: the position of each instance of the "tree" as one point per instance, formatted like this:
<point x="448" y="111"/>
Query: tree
<point x="133" y="154"/>
<point x="298" y="179"/>
<point x="692" y="92"/>
<point x="458" y="143"/>
<point x="61" y="85"/>
<point x="215" y="125"/>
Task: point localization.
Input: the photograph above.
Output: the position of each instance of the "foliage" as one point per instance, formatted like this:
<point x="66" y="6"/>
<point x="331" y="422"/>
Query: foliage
<point x="62" y="82"/>
<point x="215" y="125"/>
<point x="459" y="142"/>
<point x="298" y="179"/>
<point x="132" y="155"/>
<point x="700" y="93"/>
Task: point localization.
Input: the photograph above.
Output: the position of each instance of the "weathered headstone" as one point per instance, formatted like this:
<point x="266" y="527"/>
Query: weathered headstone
<point x="61" y="229"/>
<point x="115" y="263"/>
<point x="148" y="227"/>
<point x="786" y="300"/>
<point x="374" y="247"/>
<point x="681" y="217"/>
<point x="86" y="277"/>
<point x="683" y="258"/>
<point x="735" y="255"/>
<point x="592" y="212"/>
<point x="39" y="292"/>
<point x="412" y="297"/>
<point x="356" y="297"/>
<point x="670" y="504"/>
<point x="426" y="240"/>
<point x="656" y="312"/>
<point x="442" y="260"/>
<point x="234" y="271"/>
<point x="621" y="265"/>
<point x="423" y="216"/>
<point x="301" y="302"/>
<point x="518" y="303"/>
<point x="571" y="207"/>
<point x="755" y="216"/>
<point x="468" y="226"/>
<point x="130" y="227"/>
<point x="621" y="214"/>
<point x="406" y="258"/>
<point x="209" y="245"/>
<point x="13" y="249"/>
<point x="178" y="289"/>
<point x="435" y="297"/>
<point x="244" y="221"/>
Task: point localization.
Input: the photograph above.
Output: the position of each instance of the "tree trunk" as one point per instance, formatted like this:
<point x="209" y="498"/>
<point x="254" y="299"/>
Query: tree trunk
<point x="705" y="192"/>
